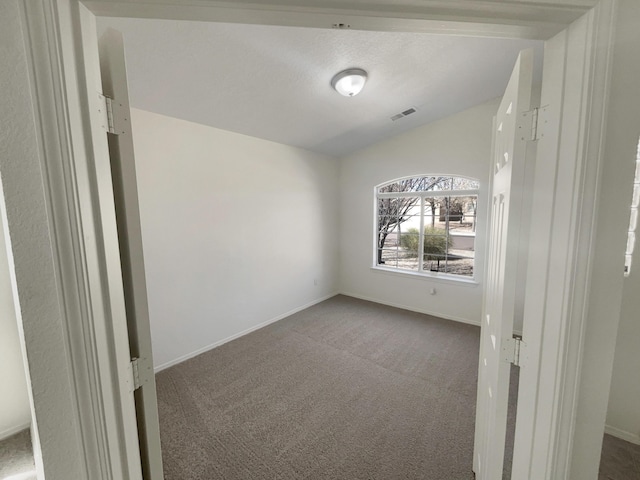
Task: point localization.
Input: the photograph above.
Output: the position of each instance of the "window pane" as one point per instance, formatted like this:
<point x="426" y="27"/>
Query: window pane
<point x="627" y="264"/>
<point x="464" y="184"/>
<point x="445" y="183"/>
<point x="408" y="263"/>
<point x="460" y="262"/>
<point x="635" y="202"/>
<point x="388" y="257"/>
<point x="633" y="221"/>
<point x="460" y="267"/>
<point x="429" y="182"/>
<point x="433" y="262"/>
<point x="631" y="241"/>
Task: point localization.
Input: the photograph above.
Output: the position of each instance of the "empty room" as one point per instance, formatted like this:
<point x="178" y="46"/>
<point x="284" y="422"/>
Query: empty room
<point x="256" y="182"/>
<point x="329" y="246"/>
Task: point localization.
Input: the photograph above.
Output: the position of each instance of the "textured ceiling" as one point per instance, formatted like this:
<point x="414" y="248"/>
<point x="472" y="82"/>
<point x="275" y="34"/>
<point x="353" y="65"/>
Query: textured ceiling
<point x="274" y="82"/>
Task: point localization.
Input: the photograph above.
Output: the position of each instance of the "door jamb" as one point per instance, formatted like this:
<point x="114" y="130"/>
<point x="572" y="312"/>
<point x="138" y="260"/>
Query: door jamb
<point x="559" y="282"/>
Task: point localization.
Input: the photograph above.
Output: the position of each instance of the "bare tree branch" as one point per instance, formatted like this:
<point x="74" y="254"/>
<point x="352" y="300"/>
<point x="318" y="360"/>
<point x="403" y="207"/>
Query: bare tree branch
<point x="393" y="211"/>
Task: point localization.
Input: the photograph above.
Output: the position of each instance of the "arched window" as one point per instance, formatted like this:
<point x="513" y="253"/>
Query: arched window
<point x="431" y="214"/>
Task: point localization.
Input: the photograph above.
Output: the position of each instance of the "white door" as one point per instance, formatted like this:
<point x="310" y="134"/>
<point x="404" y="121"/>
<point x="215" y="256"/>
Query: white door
<point x="123" y="171"/>
<point x="508" y="166"/>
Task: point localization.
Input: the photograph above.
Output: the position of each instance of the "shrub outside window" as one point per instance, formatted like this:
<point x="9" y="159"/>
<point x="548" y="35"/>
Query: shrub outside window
<point x="427" y="225"/>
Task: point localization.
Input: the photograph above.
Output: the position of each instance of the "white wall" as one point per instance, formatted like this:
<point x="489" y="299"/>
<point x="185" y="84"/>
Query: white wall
<point x="15" y="410"/>
<point x="458" y="145"/>
<point x="236" y="230"/>
<point x="623" y="415"/>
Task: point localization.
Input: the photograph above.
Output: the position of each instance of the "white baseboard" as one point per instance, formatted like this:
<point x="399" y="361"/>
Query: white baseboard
<point x="413" y="309"/>
<point x="622" y="434"/>
<point x="13" y="430"/>
<point x="181" y="359"/>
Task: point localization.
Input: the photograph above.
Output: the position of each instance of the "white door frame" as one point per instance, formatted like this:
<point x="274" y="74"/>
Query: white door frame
<point x="51" y="30"/>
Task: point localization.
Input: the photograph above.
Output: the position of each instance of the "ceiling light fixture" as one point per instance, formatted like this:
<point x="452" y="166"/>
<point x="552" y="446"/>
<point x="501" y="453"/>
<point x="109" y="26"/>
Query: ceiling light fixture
<point x="349" y="82"/>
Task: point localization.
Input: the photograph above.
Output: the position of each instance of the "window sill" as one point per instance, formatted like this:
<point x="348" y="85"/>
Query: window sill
<point x="438" y="277"/>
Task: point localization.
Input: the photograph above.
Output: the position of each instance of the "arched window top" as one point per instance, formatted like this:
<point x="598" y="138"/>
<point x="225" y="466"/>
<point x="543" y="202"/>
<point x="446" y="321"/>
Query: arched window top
<point x="442" y="184"/>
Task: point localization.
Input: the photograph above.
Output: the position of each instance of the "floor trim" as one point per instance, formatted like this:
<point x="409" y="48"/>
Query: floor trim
<point x="183" y="358"/>
<point x="412" y="309"/>
<point x="622" y="434"/>
<point x="13" y="430"/>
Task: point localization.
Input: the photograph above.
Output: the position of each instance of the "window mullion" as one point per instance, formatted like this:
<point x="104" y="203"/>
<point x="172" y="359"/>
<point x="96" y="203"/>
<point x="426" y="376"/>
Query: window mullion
<point x="421" y="237"/>
<point x="446" y="234"/>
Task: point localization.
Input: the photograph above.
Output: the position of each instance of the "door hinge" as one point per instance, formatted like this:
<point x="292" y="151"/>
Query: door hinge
<point x="140" y="371"/>
<point x="113" y="115"/>
<point x="515" y="351"/>
<point x="534" y="124"/>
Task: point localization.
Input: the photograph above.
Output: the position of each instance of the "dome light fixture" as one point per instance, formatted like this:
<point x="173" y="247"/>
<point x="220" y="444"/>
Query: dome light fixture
<point x="349" y="82"/>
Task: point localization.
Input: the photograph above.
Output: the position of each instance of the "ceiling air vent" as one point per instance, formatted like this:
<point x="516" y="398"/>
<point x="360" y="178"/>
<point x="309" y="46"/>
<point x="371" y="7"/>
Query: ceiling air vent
<point x="398" y="116"/>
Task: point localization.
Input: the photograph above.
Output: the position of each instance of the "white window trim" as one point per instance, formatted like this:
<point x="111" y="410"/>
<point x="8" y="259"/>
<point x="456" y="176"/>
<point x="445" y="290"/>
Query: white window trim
<point x="432" y="276"/>
<point x="429" y="193"/>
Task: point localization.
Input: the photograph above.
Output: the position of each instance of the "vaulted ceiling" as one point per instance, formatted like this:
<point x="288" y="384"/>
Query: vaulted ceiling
<point x="273" y="82"/>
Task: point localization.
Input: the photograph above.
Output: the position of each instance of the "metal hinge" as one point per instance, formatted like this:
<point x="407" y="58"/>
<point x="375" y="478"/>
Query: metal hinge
<point x="140" y="372"/>
<point x="113" y="115"/>
<point x="535" y="123"/>
<point x="515" y="351"/>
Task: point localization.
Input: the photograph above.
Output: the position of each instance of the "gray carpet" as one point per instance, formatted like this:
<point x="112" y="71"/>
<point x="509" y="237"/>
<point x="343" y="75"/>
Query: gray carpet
<point x="16" y="456"/>
<point x="346" y="389"/>
<point x="620" y="460"/>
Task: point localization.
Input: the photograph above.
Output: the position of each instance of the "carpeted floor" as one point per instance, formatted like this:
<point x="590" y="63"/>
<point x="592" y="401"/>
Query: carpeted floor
<point x="620" y="460"/>
<point x="346" y="389"/>
<point x="16" y="457"/>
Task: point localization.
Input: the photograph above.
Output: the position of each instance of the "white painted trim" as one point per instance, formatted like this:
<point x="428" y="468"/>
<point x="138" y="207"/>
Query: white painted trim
<point x="435" y="276"/>
<point x="558" y="288"/>
<point x="504" y="18"/>
<point x="622" y="434"/>
<point x="183" y="358"/>
<point x="430" y="193"/>
<point x="55" y="66"/>
<point x="13" y="430"/>
<point x="580" y="275"/>
<point x="413" y="309"/>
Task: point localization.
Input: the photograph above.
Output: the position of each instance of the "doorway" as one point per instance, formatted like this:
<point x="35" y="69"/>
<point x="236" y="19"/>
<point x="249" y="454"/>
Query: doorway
<point x="206" y="187"/>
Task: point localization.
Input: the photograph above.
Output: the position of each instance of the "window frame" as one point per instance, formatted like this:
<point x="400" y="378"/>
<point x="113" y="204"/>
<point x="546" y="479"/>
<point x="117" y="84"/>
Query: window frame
<point x="633" y="216"/>
<point x="422" y="195"/>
